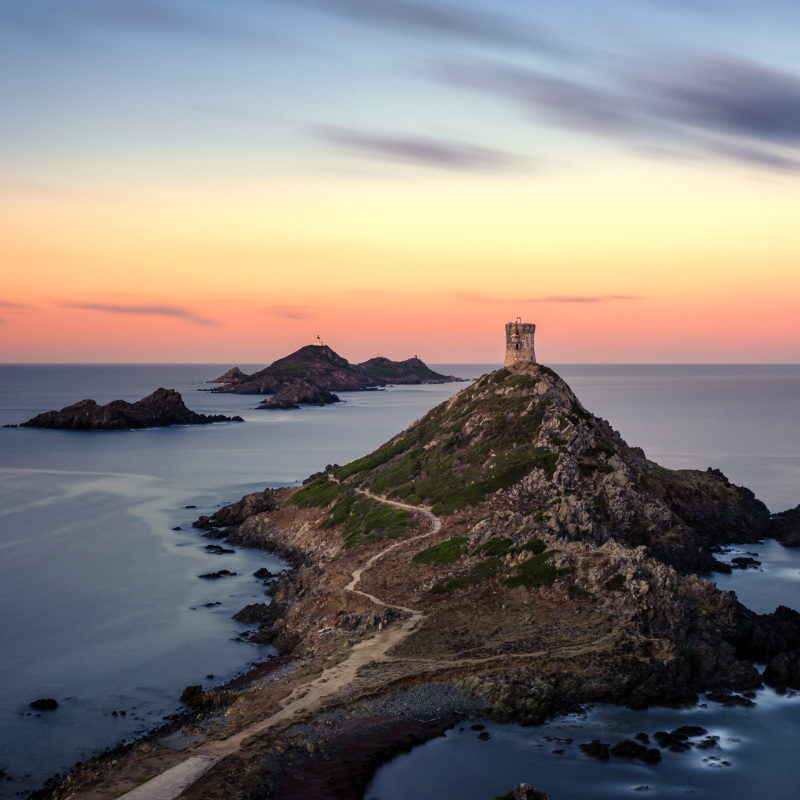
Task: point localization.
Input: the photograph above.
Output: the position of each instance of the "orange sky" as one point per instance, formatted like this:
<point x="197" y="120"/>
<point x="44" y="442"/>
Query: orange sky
<point x="398" y="187"/>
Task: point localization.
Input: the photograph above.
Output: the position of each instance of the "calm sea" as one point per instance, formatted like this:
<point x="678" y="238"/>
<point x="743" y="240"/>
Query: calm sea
<point x="101" y="606"/>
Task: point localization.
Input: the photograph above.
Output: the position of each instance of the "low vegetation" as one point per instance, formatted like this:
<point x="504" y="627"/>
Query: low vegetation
<point x="463" y="451"/>
<point x="364" y="519"/>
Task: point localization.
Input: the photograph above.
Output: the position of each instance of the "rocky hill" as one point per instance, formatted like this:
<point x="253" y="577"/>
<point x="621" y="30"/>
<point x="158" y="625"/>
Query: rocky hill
<point x="162" y="408"/>
<point x="556" y="538"/>
<point x="314" y="372"/>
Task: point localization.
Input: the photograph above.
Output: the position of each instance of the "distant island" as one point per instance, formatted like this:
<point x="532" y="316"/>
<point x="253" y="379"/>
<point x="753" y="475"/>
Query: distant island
<point x="313" y="373"/>
<point x="162" y="408"/>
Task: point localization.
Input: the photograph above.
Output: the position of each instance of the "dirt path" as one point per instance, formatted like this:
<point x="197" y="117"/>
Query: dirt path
<point x="308" y="697"/>
<point x="172" y="782"/>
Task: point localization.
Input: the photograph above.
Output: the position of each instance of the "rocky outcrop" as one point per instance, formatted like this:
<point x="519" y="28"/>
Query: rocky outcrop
<point x="233" y="375"/>
<point x="238" y="512"/>
<point x="44" y="704"/>
<point x="297" y="393"/>
<point x="162" y="408"/>
<point x="785" y="527"/>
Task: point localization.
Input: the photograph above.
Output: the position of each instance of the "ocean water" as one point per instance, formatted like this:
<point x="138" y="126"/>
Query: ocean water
<point x="101" y="606"/>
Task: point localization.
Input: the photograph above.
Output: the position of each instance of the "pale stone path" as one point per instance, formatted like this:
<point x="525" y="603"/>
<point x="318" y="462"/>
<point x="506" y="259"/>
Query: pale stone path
<point x="172" y="782"/>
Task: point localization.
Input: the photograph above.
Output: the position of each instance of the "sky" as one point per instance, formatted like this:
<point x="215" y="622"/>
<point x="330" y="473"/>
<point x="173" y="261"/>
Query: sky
<point x="220" y="181"/>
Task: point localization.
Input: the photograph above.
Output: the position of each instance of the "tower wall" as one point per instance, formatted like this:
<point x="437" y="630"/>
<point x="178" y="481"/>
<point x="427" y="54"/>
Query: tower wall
<point x="519" y="343"/>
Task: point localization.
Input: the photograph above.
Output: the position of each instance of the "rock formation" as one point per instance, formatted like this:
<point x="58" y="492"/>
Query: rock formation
<point x="233" y="375"/>
<point x="314" y="372"/>
<point x="162" y="408"/>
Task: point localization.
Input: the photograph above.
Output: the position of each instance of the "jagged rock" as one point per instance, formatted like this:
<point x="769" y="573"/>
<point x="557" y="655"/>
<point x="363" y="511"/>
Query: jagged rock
<point x="238" y="512"/>
<point x="255" y="613"/>
<point x="628" y="749"/>
<point x="329" y="470"/>
<point x="298" y="392"/>
<point x="729" y="700"/>
<point x="745" y="562"/>
<point x="783" y="671"/>
<point x="44" y="704"/>
<point x="223" y="573"/>
<point x="596" y="749"/>
<point x="262" y="573"/>
<point x="162" y="408"/>
<point x="785" y="527"/>
<point x="218" y="550"/>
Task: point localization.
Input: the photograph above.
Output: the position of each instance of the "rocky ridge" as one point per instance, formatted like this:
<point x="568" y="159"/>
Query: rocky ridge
<point x="162" y="408"/>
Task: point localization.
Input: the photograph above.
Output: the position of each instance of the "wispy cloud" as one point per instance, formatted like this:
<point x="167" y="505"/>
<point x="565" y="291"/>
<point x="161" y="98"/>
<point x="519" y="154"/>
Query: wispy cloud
<point x="707" y="105"/>
<point x="147" y="310"/>
<point x="10" y="305"/>
<point x="420" y="150"/>
<point x="439" y="19"/>
<point x="290" y="312"/>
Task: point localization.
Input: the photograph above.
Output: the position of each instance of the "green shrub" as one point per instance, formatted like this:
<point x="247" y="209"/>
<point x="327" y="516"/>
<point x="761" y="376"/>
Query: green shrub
<point x="615" y="584"/>
<point x="536" y="572"/>
<point x="317" y="494"/>
<point x="443" y="553"/>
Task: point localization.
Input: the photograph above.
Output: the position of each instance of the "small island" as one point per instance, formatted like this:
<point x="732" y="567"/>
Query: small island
<point x="164" y="407"/>
<point x="313" y="373"/>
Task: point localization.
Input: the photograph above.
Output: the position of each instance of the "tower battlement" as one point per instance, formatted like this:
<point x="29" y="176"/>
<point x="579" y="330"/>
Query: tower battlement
<point x="519" y="343"/>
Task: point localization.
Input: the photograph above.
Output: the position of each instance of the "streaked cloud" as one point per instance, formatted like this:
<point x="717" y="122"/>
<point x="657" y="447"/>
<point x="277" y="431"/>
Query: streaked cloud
<point x="420" y="150"/>
<point x="10" y="305"/>
<point x="733" y="96"/>
<point x="176" y="312"/>
<point x="709" y="106"/>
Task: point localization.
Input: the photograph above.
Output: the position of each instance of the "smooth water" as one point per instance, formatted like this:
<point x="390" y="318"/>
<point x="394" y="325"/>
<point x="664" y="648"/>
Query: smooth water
<point x="101" y="606"/>
<point x="100" y="603"/>
<point x="756" y="757"/>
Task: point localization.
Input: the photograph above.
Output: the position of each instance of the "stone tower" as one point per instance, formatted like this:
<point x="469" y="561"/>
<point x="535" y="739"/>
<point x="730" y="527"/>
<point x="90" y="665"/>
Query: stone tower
<point x="519" y="343"/>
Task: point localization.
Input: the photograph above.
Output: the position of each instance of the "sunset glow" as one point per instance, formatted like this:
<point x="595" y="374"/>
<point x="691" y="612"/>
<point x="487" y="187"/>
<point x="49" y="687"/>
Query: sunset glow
<point x="338" y="172"/>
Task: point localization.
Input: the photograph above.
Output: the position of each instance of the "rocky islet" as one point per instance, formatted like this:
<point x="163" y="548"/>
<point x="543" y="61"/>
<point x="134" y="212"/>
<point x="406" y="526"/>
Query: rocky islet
<point x="162" y="408"/>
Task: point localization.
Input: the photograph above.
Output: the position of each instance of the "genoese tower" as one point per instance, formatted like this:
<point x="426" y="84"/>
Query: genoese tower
<point x="519" y="343"/>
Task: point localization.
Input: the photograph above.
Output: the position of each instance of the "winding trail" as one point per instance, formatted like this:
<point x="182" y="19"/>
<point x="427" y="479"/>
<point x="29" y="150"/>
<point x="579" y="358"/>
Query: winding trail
<point x="175" y="780"/>
<point x="169" y="784"/>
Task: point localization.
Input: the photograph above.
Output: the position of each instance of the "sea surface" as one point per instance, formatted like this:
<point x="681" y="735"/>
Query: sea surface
<point x="101" y="606"/>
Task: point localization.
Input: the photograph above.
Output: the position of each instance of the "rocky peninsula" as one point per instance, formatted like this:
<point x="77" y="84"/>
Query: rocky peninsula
<point x="507" y="555"/>
<point x="162" y="408"/>
<point x="313" y="373"/>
